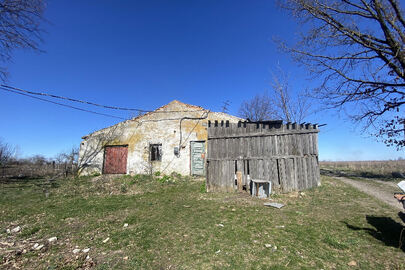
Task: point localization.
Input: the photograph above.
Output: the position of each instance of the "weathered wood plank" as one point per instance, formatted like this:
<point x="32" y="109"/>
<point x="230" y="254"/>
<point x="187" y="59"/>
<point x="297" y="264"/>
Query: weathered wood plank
<point x="288" y="157"/>
<point x="274" y="173"/>
<point x="219" y="135"/>
<point x="281" y="173"/>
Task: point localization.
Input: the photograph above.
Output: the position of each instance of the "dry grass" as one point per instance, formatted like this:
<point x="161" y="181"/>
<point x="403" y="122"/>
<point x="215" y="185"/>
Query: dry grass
<point x="174" y="225"/>
<point x="371" y="169"/>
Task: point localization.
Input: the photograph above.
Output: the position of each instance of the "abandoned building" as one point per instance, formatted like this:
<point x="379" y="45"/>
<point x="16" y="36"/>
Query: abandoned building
<point x="260" y="156"/>
<point x="170" y="139"/>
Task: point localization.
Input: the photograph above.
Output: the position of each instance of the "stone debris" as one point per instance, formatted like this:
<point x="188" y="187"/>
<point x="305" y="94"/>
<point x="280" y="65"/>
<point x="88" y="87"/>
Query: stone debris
<point x="352" y="263"/>
<point x="7" y="244"/>
<point x="76" y="250"/>
<point x="275" y="205"/>
<point x="35" y="245"/>
<point x="52" y="239"/>
<point x="106" y="240"/>
<point x="39" y="247"/>
<point x="16" y="229"/>
<point x="86" y="250"/>
<point x="125" y="225"/>
<point x="8" y="231"/>
<point x="88" y="263"/>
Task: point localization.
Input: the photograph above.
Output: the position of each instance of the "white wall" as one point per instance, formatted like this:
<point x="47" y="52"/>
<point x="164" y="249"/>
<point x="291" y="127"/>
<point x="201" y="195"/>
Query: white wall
<point x="159" y="127"/>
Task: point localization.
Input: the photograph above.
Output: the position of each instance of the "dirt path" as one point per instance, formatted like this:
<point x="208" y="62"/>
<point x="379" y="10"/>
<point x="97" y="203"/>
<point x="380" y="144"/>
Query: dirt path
<point x="384" y="191"/>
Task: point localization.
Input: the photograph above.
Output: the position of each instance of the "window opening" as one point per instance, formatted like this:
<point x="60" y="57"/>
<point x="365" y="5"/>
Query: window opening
<point x="155" y="151"/>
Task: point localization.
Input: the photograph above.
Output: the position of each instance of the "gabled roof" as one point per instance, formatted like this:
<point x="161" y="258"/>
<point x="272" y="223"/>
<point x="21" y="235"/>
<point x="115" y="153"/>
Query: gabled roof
<point x="184" y="107"/>
<point x="168" y="105"/>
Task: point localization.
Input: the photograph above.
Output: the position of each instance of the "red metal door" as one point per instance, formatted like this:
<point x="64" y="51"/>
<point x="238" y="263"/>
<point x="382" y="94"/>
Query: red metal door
<point x="115" y="159"/>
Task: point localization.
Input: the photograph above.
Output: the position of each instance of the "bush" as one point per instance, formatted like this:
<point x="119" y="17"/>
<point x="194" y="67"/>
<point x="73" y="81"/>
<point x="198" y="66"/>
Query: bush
<point x="175" y="175"/>
<point x="203" y="188"/>
<point x="166" y="179"/>
<point x="124" y="188"/>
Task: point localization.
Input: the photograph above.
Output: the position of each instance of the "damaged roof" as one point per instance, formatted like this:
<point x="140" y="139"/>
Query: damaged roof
<point x="193" y="108"/>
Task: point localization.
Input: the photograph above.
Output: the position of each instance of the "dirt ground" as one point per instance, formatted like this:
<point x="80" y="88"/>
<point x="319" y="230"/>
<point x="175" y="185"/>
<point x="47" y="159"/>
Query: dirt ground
<point x="381" y="190"/>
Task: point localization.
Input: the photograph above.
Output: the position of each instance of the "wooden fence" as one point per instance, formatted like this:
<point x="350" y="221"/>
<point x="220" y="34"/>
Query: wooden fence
<point x="287" y="155"/>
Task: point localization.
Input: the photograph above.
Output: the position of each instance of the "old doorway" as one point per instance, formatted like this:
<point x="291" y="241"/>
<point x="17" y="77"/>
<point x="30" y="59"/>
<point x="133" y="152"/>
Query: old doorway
<point x="115" y="159"/>
<point x="197" y="157"/>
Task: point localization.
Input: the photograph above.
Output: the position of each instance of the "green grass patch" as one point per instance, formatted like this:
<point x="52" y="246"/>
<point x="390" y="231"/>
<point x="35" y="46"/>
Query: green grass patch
<point x="177" y="225"/>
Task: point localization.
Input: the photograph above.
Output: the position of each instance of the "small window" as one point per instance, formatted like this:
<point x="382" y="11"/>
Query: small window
<point x="155" y="151"/>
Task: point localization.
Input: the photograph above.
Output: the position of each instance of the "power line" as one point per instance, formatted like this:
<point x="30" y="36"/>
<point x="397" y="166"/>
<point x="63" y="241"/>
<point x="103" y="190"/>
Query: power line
<point x="85" y="102"/>
<point x="61" y="104"/>
<point x="225" y="105"/>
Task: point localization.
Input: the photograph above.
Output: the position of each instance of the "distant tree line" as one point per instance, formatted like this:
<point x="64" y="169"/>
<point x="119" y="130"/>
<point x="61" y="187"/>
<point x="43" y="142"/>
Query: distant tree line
<point x="11" y="166"/>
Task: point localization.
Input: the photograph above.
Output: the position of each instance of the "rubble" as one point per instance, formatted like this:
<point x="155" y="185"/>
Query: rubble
<point x="106" y="240"/>
<point x="52" y="239"/>
<point x="16" y="229"/>
<point x="273" y="204"/>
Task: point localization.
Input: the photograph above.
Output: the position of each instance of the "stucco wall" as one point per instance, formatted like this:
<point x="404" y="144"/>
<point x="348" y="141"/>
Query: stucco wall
<point x="159" y="127"/>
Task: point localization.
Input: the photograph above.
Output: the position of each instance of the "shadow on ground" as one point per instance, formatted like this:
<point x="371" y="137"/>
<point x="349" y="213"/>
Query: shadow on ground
<point x="385" y="230"/>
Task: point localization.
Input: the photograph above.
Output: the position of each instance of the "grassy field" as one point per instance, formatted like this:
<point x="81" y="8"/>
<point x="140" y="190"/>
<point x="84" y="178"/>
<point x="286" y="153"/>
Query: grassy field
<point x="388" y="170"/>
<point x="174" y="224"/>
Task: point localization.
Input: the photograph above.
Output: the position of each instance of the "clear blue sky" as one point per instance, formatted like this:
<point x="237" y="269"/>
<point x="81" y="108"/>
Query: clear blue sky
<point x="144" y="54"/>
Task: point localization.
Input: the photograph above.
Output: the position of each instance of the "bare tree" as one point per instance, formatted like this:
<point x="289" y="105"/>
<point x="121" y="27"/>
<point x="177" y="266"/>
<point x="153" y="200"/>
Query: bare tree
<point x="259" y="108"/>
<point x="281" y="104"/>
<point x="356" y="47"/>
<point x="289" y="106"/>
<point x="7" y="152"/>
<point x="92" y="148"/>
<point x="69" y="161"/>
<point x="19" y="28"/>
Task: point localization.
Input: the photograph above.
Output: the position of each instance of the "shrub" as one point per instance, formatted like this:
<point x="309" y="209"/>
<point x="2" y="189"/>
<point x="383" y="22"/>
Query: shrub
<point x="124" y="188"/>
<point x="203" y="188"/>
<point x="166" y="179"/>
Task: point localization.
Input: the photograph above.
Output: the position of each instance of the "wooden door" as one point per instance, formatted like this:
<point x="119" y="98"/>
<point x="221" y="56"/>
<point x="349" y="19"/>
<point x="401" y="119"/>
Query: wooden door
<point x="115" y="160"/>
<point x="197" y="158"/>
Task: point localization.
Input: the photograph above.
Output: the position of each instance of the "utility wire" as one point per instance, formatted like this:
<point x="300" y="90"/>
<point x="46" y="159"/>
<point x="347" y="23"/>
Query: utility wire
<point x="83" y="101"/>
<point x="61" y="104"/>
